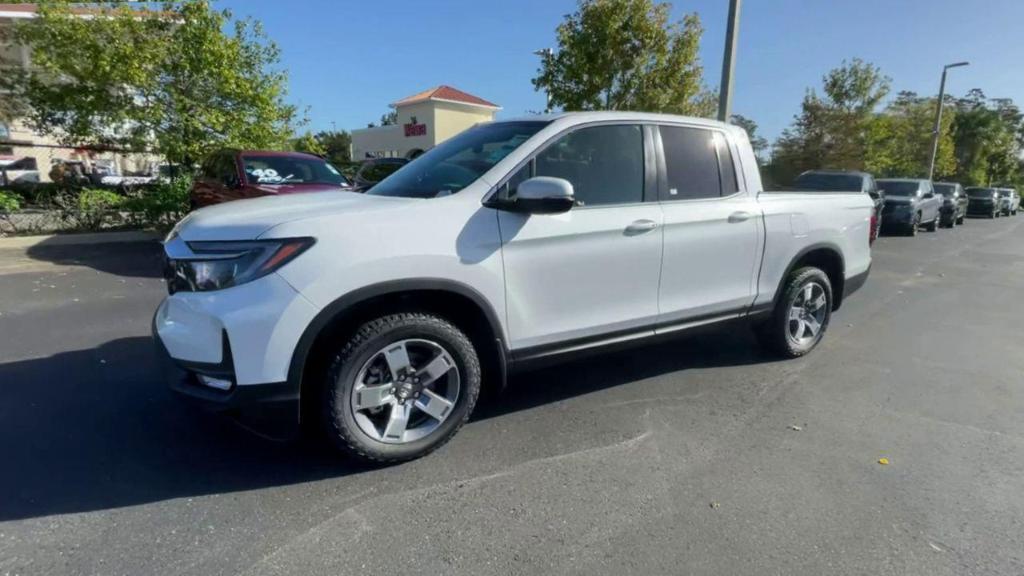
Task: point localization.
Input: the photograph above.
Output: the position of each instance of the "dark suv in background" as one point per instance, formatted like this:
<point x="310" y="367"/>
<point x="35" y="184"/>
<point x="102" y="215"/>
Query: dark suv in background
<point x="845" y="181"/>
<point x="373" y="171"/>
<point x="954" y="204"/>
<point x="909" y="204"/>
<point x="983" y="202"/>
<point x="237" y="174"/>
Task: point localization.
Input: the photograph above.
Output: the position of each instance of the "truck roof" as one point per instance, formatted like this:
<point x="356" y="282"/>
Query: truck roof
<point x="598" y="116"/>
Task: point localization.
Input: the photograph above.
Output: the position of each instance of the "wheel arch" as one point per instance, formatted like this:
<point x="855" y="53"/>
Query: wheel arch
<point x="823" y="255"/>
<point x="462" y="304"/>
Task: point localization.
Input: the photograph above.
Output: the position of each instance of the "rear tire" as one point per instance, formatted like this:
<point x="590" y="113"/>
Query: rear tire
<point x="799" y="321"/>
<point x="400" y="388"/>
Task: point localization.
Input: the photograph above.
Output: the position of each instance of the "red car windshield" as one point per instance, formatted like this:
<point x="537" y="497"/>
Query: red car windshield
<point x="275" y="170"/>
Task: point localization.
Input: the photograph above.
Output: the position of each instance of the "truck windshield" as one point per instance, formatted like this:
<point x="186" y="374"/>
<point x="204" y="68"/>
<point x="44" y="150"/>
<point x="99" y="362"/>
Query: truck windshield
<point x="1005" y="193"/>
<point x="899" y="188"/>
<point x="290" y="169"/>
<point x="946" y="189"/>
<point x="458" y="162"/>
<point x="980" y="192"/>
<point x="828" y="182"/>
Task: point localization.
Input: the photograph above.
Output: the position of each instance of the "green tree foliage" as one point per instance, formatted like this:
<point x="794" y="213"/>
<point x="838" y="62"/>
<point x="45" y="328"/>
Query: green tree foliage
<point x="309" y="144"/>
<point x="900" y="140"/>
<point x="627" y="55"/>
<point x="989" y="137"/>
<point x="169" y="79"/>
<point x="833" y="129"/>
<point x="757" y="142"/>
<point x="337" y="146"/>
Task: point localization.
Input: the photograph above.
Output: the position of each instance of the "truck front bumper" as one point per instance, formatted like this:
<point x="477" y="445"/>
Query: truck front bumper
<point x="230" y="350"/>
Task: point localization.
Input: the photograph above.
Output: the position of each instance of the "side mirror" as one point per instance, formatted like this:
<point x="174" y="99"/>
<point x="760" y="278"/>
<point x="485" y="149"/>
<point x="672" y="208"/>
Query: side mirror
<point x="544" y="195"/>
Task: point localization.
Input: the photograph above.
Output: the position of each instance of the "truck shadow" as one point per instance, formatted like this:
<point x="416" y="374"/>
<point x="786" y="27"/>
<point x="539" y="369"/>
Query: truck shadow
<point x="139" y="259"/>
<point x="97" y="429"/>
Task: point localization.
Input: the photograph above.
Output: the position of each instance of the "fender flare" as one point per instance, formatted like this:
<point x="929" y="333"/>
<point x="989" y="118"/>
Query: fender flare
<point x="326" y="315"/>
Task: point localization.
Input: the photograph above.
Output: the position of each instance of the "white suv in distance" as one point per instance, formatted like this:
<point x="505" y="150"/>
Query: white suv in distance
<point x="380" y="316"/>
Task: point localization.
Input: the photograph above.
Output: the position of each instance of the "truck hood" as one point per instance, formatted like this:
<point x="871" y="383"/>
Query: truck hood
<point x="248" y="219"/>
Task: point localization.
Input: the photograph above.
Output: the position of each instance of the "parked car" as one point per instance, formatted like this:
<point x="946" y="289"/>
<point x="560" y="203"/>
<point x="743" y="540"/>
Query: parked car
<point x="1009" y="201"/>
<point x="19" y="171"/>
<point x="849" y="181"/>
<point x="983" y="201"/>
<point x="954" y="203"/>
<point x="380" y="316"/>
<point x="373" y="171"/>
<point x="237" y="174"/>
<point x="910" y="204"/>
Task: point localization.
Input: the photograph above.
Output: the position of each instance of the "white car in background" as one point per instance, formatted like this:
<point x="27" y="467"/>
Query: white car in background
<point x="378" y="317"/>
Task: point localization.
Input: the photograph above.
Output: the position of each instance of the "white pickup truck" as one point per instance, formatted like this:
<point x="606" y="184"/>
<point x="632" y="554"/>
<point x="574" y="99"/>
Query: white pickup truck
<point x="380" y="316"/>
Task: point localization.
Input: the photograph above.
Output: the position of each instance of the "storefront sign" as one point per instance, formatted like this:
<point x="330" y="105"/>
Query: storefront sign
<point x="415" y="130"/>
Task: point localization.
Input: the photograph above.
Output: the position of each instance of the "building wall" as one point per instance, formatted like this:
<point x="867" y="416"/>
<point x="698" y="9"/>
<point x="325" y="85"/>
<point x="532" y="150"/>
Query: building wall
<point x="442" y="120"/>
<point x="450" y="119"/>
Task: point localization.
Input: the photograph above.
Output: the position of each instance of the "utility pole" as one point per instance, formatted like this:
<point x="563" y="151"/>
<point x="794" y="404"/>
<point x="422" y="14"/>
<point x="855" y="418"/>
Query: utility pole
<point x="546" y="53"/>
<point x="937" y="128"/>
<point x="729" y="62"/>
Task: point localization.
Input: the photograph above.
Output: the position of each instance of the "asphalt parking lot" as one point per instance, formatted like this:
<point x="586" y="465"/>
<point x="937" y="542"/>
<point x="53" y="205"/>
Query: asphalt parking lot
<point x="699" y="456"/>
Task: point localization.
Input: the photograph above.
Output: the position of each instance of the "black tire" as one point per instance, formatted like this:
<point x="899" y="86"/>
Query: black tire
<point x="915" y="223"/>
<point x="339" y="420"/>
<point x="960" y="221"/>
<point x="993" y="216"/>
<point x="774" y="333"/>
<point x="933" y="225"/>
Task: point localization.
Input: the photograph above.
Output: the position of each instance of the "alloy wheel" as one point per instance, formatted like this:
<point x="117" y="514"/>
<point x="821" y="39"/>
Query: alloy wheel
<point x="807" y="313"/>
<point x="405" y="391"/>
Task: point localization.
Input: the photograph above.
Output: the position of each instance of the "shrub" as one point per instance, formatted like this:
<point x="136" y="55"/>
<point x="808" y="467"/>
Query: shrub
<point x="161" y="205"/>
<point x="91" y="207"/>
<point x="9" y="202"/>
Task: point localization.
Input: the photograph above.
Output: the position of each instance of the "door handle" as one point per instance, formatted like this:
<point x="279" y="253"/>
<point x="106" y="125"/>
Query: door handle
<point x="737" y="217"/>
<point x="640" y="227"/>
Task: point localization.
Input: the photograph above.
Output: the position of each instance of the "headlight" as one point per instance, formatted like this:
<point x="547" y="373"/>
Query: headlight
<point x="219" y="265"/>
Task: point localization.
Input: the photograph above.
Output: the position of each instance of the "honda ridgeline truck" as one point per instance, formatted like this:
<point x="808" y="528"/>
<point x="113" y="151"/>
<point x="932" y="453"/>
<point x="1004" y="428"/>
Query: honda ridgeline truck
<point x="379" y="317"/>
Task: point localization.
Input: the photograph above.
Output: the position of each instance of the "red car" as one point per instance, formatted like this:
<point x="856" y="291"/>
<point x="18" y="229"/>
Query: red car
<point x="236" y="174"/>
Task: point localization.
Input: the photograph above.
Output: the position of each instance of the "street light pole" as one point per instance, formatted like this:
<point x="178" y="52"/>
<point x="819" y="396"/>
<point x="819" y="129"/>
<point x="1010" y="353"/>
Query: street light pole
<point x="546" y="53"/>
<point x="729" y="62"/>
<point x="936" y="129"/>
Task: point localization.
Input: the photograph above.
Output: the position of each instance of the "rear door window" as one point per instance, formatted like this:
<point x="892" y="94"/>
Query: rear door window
<point x="693" y="168"/>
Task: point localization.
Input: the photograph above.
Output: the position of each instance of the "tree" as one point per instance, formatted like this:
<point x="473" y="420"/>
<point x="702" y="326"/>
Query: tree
<point x="757" y="142"/>
<point x="337" y="146"/>
<point x="833" y="130"/>
<point x="988" y="138"/>
<point x="389" y="119"/>
<point x="169" y="80"/>
<point x="309" y="144"/>
<point x="900" y="140"/>
<point x="627" y="55"/>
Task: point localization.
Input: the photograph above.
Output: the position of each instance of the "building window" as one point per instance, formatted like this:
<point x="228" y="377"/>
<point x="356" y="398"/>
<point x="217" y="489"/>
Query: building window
<point x="5" y="132"/>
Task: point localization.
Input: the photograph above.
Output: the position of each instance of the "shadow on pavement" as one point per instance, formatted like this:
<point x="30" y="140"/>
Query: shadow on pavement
<point x="96" y="429"/>
<point x="128" y="259"/>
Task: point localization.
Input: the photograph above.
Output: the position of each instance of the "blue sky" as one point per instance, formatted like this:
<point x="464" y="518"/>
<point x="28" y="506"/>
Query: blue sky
<point x="349" y="59"/>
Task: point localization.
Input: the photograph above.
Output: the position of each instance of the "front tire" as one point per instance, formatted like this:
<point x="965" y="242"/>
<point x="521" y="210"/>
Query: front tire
<point x="400" y="388"/>
<point x="933" y="225"/>
<point x="915" y="223"/>
<point x="801" y="314"/>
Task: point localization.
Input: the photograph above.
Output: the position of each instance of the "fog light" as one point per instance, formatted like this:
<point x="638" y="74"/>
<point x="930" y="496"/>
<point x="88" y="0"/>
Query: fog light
<point x="217" y="383"/>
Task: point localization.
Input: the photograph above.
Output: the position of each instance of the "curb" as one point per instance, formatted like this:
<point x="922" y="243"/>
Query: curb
<point x="79" y="239"/>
